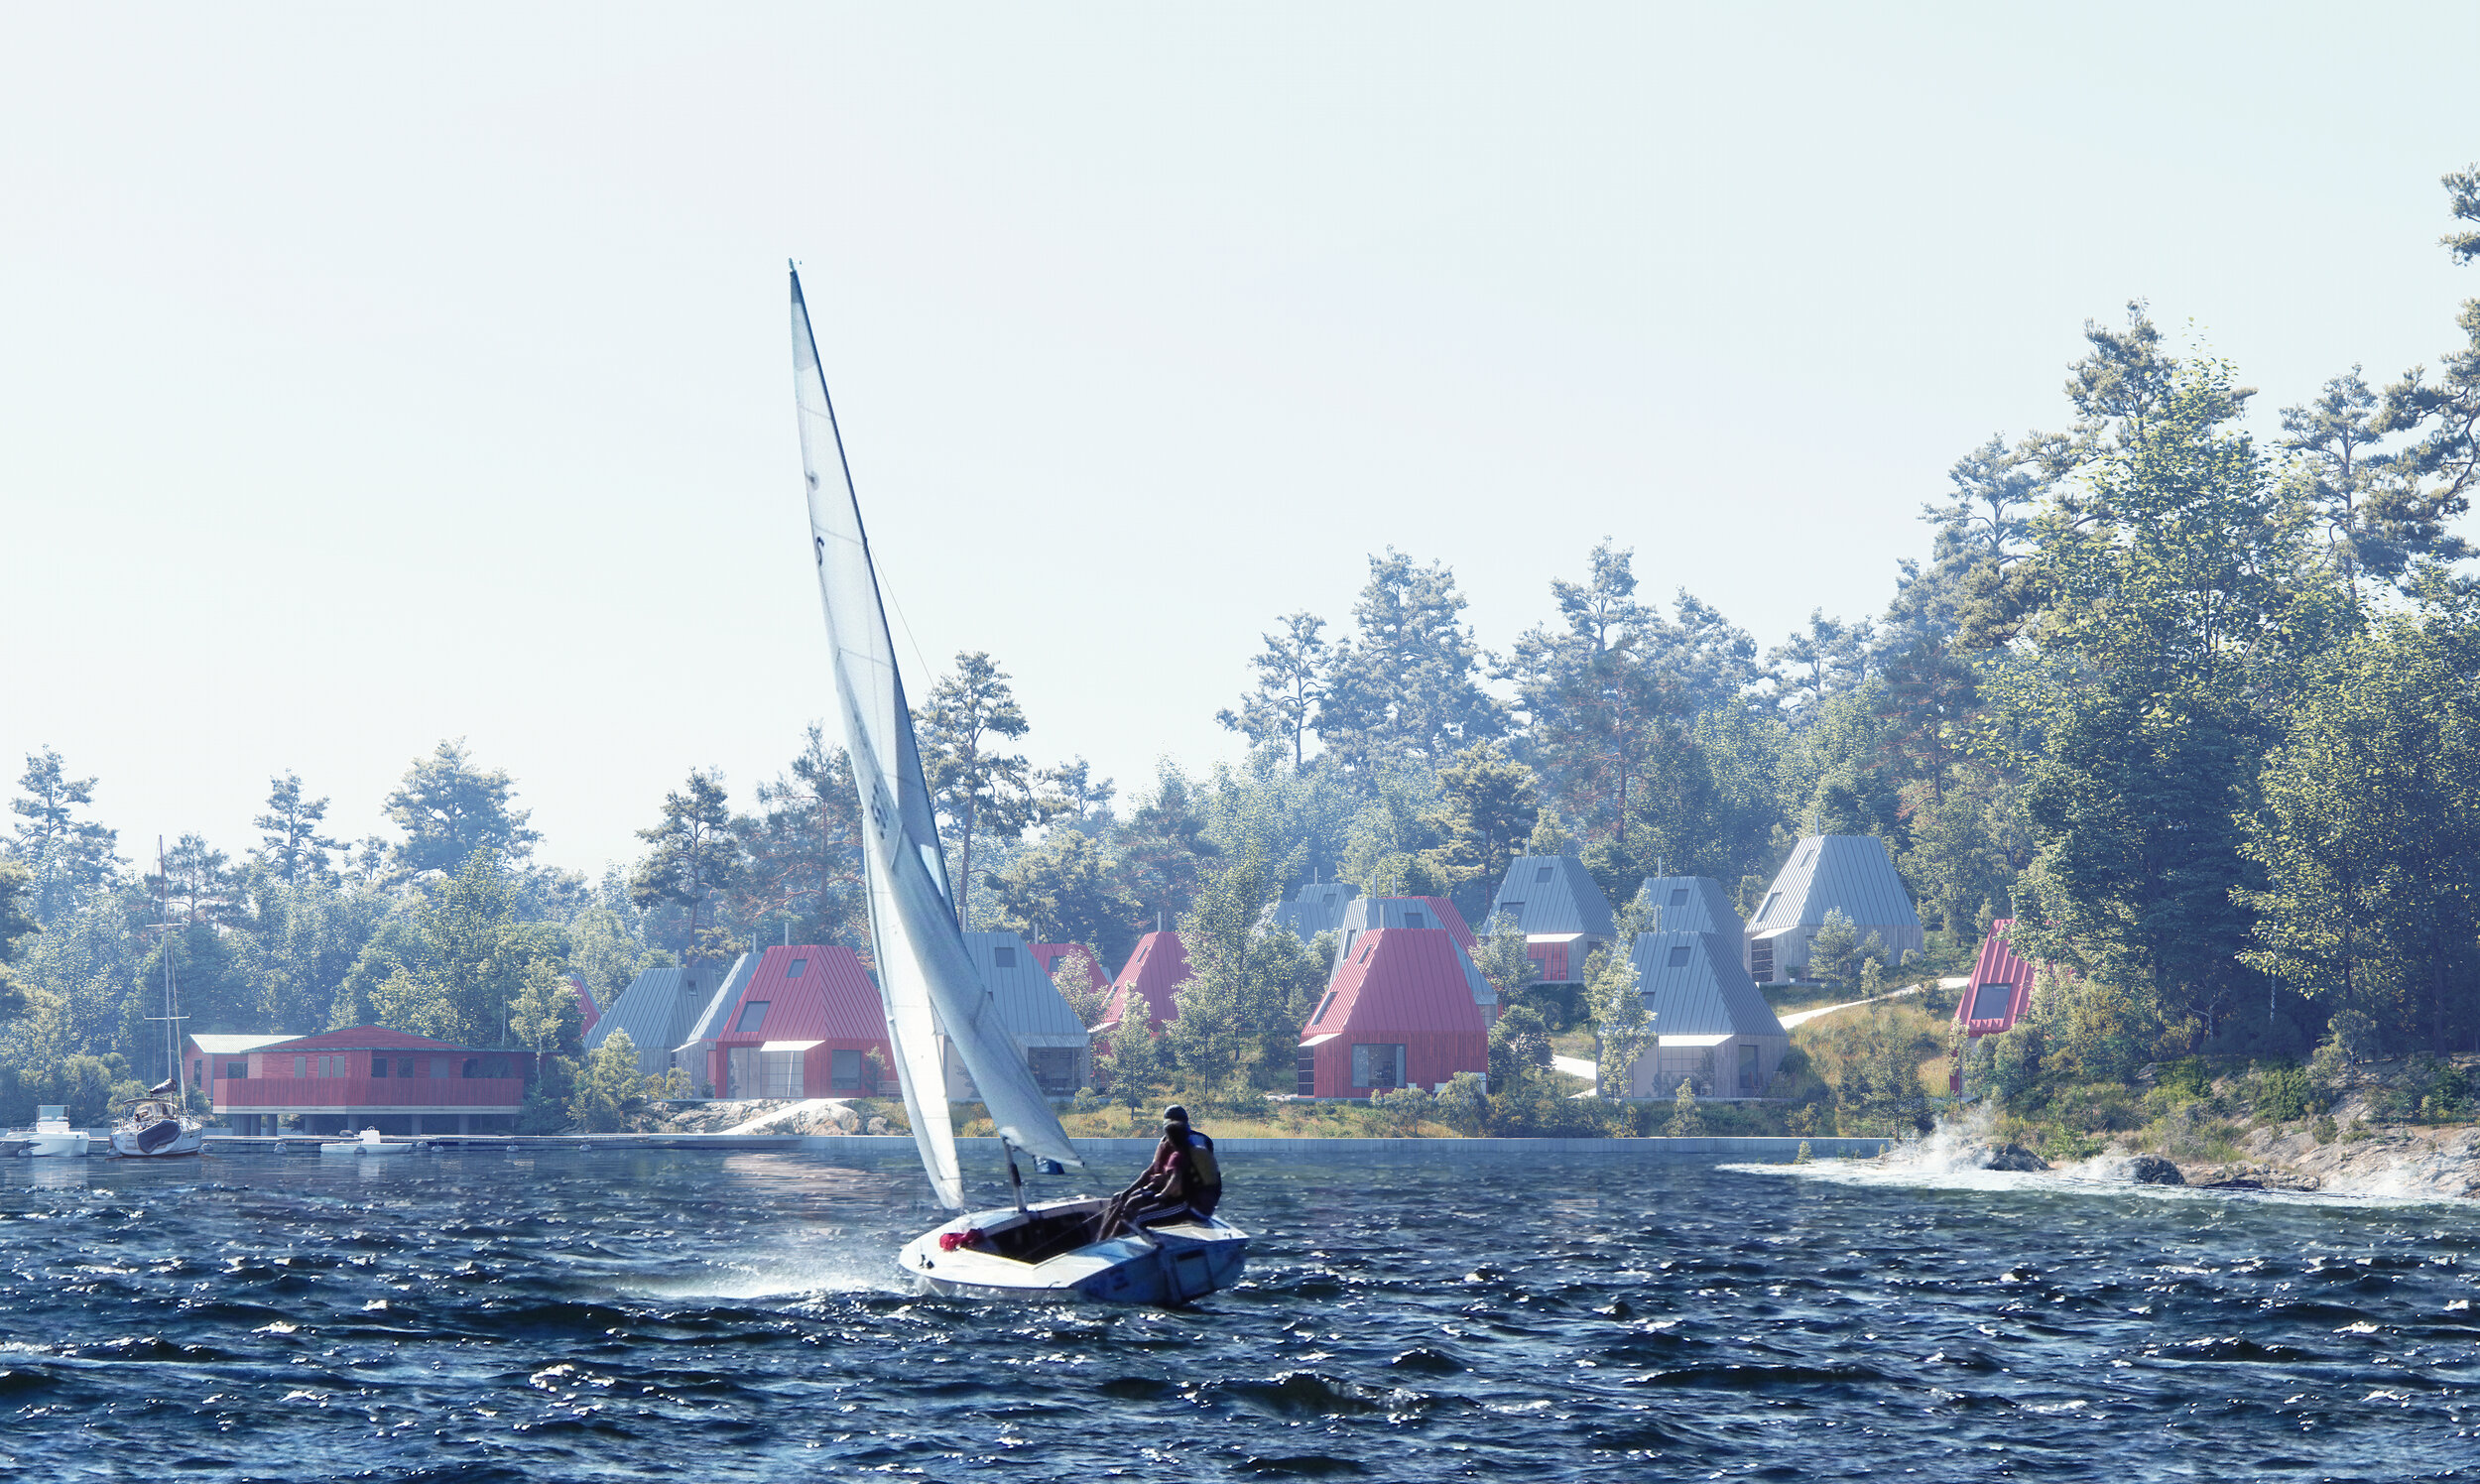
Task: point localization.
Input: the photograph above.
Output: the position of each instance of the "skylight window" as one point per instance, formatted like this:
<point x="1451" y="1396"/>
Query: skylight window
<point x="795" y="969"/>
<point x="1544" y="874"/>
<point x="1678" y="896"/>
<point x="1679" y="956"/>
<point x="752" y="1015"/>
<point x="1807" y="855"/>
<point x="1003" y="957"/>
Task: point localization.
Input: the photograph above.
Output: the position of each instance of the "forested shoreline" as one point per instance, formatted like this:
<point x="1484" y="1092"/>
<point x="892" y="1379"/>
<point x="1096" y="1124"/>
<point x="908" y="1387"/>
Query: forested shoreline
<point x="2199" y="709"/>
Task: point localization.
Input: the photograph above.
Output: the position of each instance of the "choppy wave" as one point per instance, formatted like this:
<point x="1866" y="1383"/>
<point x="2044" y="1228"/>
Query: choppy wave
<point x="601" y="1315"/>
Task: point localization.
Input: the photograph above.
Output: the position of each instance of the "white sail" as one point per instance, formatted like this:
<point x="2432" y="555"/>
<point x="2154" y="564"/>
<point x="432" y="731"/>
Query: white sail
<point x="925" y="975"/>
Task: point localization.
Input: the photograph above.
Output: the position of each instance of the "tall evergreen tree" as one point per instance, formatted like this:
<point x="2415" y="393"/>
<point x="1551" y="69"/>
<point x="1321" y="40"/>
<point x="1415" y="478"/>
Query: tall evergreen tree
<point x="291" y="846"/>
<point x="694" y="855"/>
<point x="1282" y="708"/>
<point x="981" y="789"/>
<point x="1408" y="683"/>
<point x="70" y="857"/>
<point x="449" y="808"/>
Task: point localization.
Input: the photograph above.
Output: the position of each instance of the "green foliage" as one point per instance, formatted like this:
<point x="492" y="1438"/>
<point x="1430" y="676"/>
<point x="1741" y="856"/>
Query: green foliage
<point x="1398" y="1109"/>
<point x="1291" y="679"/>
<point x="2368" y="835"/>
<point x="1833" y="951"/>
<point x="692" y="855"/>
<point x="1685" y="1121"/>
<point x="608" y="1089"/>
<point x="1487" y="804"/>
<point x="70" y="857"/>
<point x="88" y="1086"/>
<point x="1137" y="1071"/>
<point x="293" y="849"/>
<point x="1520" y="1050"/>
<point x="1066" y="889"/>
<point x="1462" y="1104"/>
<point x="1501" y="958"/>
<point x="1624" y="1026"/>
<point x="17" y="889"/>
<point x="982" y="790"/>
<point x="450" y="809"/>
<point x="1075" y="986"/>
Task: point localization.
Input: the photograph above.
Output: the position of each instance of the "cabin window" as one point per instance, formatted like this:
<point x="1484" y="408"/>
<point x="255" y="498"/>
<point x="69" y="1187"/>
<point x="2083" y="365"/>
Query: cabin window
<point x="1747" y="1068"/>
<point x="1415" y="920"/>
<point x="1761" y="962"/>
<point x="301" y="1067"/>
<point x="1377" y="1066"/>
<point x="752" y="1015"/>
<point x="1990" y="1001"/>
<point x="1054" y="1069"/>
<point x="1679" y="956"/>
<point x="1305" y="1071"/>
<point x="844" y="1071"/>
<point x="1002" y="959"/>
<point x="472" y="1067"/>
<point x="198" y="1068"/>
<point x="1512" y="908"/>
<point x="378" y="1066"/>
<point x="1678" y="896"/>
<point x="795" y="969"/>
<point x="236" y="1069"/>
<point x="1364" y="959"/>
<point x="1542" y="874"/>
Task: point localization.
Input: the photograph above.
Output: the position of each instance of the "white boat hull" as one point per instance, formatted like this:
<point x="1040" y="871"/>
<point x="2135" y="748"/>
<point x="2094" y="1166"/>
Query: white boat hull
<point x="56" y="1146"/>
<point x="1168" y="1261"/>
<point x="189" y="1141"/>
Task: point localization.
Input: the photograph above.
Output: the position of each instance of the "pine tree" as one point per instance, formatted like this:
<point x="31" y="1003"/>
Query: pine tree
<point x="981" y="790"/>
<point x="292" y="847"/>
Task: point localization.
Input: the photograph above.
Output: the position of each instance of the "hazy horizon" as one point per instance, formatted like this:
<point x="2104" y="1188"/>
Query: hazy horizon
<point x="380" y="377"/>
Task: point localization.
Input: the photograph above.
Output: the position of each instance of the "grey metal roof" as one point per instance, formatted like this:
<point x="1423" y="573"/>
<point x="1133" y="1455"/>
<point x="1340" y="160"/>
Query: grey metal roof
<point x="1029" y="1004"/>
<point x="719" y="1012"/>
<point x="1849" y="872"/>
<point x="1316" y="908"/>
<point x="658" y="1010"/>
<point x="1707" y="992"/>
<point x="1551" y="894"/>
<point x="1689" y="903"/>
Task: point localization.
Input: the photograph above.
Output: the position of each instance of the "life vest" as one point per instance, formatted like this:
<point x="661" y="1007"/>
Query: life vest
<point x="1202" y="1162"/>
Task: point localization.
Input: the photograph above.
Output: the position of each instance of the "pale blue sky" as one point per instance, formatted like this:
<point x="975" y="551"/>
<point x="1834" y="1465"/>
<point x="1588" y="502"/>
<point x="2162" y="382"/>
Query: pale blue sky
<point x="369" y="376"/>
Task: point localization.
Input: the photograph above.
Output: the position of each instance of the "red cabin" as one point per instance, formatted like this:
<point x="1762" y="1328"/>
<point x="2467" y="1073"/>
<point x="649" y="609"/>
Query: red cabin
<point x="1157" y="967"/>
<point x="587" y="1011"/>
<point x="1402" y="1011"/>
<point x="341" y="1081"/>
<point x="803" y="1026"/>
<point x="2001" y="991"/>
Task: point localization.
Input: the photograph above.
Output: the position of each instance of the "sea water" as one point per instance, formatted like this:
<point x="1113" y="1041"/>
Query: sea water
<point x="575" y="1314"/>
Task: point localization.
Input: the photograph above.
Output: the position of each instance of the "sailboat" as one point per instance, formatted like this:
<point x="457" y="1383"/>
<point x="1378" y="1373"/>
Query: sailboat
<point x="157" y="1124"/>
<point x="932" y="992"/>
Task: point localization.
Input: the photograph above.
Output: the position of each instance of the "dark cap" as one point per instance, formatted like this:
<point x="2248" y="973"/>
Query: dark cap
<point x="1175" y="1114"/>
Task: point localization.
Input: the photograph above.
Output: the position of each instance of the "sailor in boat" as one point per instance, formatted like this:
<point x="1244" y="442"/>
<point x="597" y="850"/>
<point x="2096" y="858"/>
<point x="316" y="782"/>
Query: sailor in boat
<point x="1184" y="1174"/>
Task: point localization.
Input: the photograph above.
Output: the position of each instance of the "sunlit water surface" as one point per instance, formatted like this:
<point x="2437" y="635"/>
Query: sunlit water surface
<point x="608" y="1315"/>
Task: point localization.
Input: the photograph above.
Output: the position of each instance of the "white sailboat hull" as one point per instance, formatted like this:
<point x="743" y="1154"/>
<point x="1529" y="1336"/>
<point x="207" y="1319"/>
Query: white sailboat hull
<point x="1168" y="1261"/>
<point x="190" y="1141"/>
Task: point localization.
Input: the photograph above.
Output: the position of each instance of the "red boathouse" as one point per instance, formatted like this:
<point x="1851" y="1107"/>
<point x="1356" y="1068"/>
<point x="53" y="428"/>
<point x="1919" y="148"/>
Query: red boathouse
<point x="1157" y="967"/>
<point x="341" y="1081"/>
<point x="1403" y="1010"/>
<point x="803" y="1025"/>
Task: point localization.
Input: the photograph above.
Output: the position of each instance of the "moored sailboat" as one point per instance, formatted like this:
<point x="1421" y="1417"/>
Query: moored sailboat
<point x="927" y="980"/>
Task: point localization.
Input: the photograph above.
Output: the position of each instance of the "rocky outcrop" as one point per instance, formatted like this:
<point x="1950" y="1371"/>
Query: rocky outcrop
<point x="2015" y="1156"/>
<point x="2152" y="1169"/>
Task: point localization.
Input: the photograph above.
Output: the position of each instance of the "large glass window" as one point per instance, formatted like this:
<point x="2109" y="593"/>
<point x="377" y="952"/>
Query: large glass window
<point x="1990" y="1001"/>
<point x="844" y="1070"/>
<point x="752" y="1015"/>
<point x="1377" y="1066"/>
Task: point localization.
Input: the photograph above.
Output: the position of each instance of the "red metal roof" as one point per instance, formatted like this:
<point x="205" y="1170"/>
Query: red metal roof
<point x="1158" y="966"/>
<point x="1998" y="964"/>
<point x="1049" y="955"/>
<point x="830" y="998"/>
<point x="1399" y="979"/>
<point x="587" y="1011"/>
<point x="1452" y="921"/>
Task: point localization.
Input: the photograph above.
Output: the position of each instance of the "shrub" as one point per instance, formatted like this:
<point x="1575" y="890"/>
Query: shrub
<point x="1684" y="1124"/>
<point x="2280" y="1094"/>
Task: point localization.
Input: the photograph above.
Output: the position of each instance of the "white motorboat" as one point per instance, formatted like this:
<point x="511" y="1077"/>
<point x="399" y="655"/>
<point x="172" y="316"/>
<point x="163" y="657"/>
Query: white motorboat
<point x="155" y="1127"/>
<point x="933" y="996"/>
<point x="51" y="1138"/>
<point x="370" y="1143"/>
